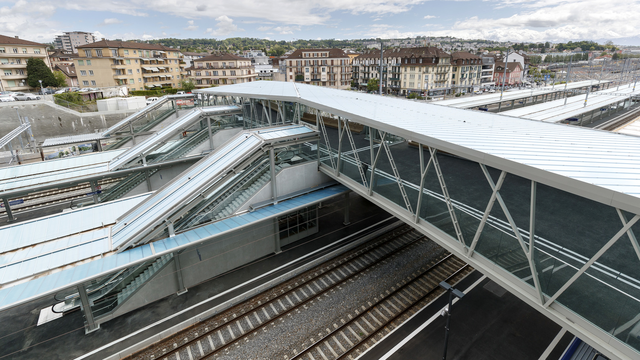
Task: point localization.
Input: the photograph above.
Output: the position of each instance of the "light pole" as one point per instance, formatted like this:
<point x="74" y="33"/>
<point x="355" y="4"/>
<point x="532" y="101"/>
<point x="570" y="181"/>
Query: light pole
<point x="42" y="92"/>
<point x="381" y="66"/>
<point x="504" y="74"/>
<point x="447" y="312"/>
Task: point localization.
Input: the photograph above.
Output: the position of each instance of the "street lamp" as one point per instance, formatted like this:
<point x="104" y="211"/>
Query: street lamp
<point x="42" y="92"/>
<point x="447" y="312"/>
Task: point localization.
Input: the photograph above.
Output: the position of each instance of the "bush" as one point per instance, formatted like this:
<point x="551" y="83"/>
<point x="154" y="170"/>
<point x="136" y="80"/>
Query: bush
<point x="72" y="97"/>
<point x="458" y="95"/>
<point x="415" y="96"/>
<point x="159" y="92"/>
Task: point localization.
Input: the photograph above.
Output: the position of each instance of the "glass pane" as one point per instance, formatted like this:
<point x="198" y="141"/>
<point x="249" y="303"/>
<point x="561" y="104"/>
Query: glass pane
<point x="434" y="208"/>
<point x="579" y="226"/>
<point x="469" y="191"/>
<point x="499" y="244"/>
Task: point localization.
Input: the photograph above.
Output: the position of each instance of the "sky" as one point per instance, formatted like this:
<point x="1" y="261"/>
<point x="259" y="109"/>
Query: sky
<point x="502" y="20"/>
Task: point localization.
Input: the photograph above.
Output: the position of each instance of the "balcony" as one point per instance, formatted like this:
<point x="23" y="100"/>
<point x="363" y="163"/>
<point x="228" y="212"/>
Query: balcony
<point x="123" y="77"/>
<point x="118" y="66"/>
<point x="21" y="55"/>
<point x="14" y="77"/>
<point x="13" y="65"/>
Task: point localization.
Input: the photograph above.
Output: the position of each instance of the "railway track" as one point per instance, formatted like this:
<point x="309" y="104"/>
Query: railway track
<point x="220" y="336"/>
<point x="619" y="121"/>
<point x="54" y="196"/>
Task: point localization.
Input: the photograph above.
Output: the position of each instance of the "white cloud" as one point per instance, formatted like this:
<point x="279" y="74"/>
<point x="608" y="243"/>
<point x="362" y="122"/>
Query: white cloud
<point x="191" y="26"/>
<point x="110" y="21"/>
<point x="225" y="26"/>
<point x="286" y="30"/>
<point x="264" y="28"/>
<point x="430" y="17"/>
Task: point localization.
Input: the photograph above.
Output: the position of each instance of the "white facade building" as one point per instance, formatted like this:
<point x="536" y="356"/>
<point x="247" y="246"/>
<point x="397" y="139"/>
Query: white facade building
<point x="69" y="41"/>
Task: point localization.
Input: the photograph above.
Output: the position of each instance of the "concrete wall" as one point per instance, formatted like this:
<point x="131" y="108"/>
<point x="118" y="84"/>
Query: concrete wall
<point x="290" y="180"/>
<point x="202" y="262"/>
<point x="160" y="178"/>
<point x="50" y="121"/>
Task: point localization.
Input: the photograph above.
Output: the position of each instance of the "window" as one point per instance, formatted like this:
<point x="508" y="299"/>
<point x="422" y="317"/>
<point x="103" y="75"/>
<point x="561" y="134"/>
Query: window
<point x="126" y="52"/>
<point x="129" y="71"/>
<point x="36" y="51"/>
<point x="128" y="62"/>
<point x="83" y="72"/>
<point x="24" y="50"/>
<point x="85" y="82"/>
<point x="198" y="73"/>
<point x="215" y="73"/>
<point x="114" y="52"/>
<point x="134" y="52"/>
<point x="7" y="72"/>
<point x="138" y="70"/>
<point x="139" y="80"/>
<point x="2" y="51"/>
<point x="80" y="62"/>
<point x="90" y="72"/>
<point x="132" y="81"/>
<point x="233" y="73"/>
<point x="19" y="72"/>
<point x="99" y="52"/>
<point x="11" y="83"/>
<point x="224" y="73"/>
<point x="93" y="82"/>
<point x="15" y="50"/>
<point x="88" y="62"/>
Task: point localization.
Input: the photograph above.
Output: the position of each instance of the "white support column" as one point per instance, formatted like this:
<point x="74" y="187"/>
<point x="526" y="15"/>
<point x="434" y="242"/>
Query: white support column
<point x="176" y="261"/>
<point x="210" y="133"/>
<point x="630" y="234"/>
<point x="86" y="308"/>
<point x="445" y="193"/>
<point x="423" y="175"/>
<point x="274" y="187"/>
<point x="532" y="230"/>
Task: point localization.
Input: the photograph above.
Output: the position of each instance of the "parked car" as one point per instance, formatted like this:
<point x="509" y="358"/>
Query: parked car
<point x="83" y="90"/>
<point x="25" y="97"/>
<point x="492" y="91"/>
<point x="46" y="91"/>
<point x="150" y="100"/>
<point x="74" y="89"/>
<point x="7" y="98"/>
<point x="180" y="93"/>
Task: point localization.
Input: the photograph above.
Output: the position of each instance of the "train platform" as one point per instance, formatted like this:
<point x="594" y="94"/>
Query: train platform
<point x="488" y="323"/>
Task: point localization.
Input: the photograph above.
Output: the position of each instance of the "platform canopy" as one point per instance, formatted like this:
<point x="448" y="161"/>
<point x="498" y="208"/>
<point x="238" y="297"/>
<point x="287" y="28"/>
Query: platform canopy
<point x="557" y="110"/>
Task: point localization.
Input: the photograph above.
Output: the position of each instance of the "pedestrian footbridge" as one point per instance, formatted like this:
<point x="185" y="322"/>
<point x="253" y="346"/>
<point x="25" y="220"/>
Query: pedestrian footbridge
<point x="549" y="211"/>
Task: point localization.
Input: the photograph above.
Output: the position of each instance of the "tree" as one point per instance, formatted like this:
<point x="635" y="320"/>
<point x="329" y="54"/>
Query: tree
<point x="38" y="70"/>
<point x="277" y="51"/>
<point x="547" y="45"/>
<point x="61" y="78"/>
<point x="615" y="56"/>
<point x="187" y="85"/>
<point x="373" y="85"/>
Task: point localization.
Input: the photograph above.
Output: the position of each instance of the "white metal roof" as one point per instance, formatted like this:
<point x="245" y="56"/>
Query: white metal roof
<point x="157" y="139"/>
<point x="596" y="164"/>
<point x="75" y="264"/>
<point x="21" y="176"/>
<point x="73" y="139"/>
<point x="486" y="99"/>
<point x="554" y="111"/>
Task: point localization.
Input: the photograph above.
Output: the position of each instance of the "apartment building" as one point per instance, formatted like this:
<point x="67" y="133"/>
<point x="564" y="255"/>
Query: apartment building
<point x="14" y="53"/>
<point x="512" y="75"/>
<point x="466" y="71"/>
<point x="486" y="76"/>
<point x="138" y="66"/>
<point x="405" y="70"/>
<point x="190" y="56"/>
<point x="69" y="70"/>
<point x="62" y="57"/>
<point x="70" y="41"/>
<point x="427" y="71"/>
<point x="221" y="69"/>
<point x="322" y="67"/>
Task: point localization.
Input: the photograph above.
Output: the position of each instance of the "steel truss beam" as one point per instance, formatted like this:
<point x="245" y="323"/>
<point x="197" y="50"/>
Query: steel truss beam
<point x="445" y="192"/>
<point x="359" y="163"/>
